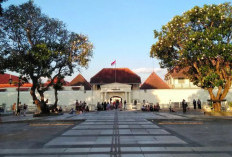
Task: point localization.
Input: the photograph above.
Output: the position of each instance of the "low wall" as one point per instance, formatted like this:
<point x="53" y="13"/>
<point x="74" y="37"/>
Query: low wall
<point x="68" y="97"/>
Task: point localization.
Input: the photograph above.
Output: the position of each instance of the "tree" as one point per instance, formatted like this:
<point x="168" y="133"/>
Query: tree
<point x="1" y="1"/>
<point x="35" y="45"/>
<point x="199" y="39"/>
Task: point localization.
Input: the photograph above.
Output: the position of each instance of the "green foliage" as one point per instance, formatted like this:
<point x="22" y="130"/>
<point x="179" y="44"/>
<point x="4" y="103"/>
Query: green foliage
<point x="230" y="104"/>
<point x="200" y="39"/>
<point x="33" y="44"/>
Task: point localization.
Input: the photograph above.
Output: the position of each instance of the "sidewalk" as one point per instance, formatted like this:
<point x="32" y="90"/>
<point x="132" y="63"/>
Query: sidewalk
<point x="13" y="118"/>
<point x="147" y="115"/>
<point x="121" y="134"/>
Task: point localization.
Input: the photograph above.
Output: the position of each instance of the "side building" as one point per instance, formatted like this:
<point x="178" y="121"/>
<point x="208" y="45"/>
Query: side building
<point x="177" y="79"/>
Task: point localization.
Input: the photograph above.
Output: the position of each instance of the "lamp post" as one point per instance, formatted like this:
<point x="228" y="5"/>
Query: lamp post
<point x="19" y="84"/>
<point x="21" y="81"/>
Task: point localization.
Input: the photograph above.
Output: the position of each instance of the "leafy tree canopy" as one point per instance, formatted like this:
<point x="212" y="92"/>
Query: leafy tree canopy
<point x="35" y="45"/>
<point x="199" y="39"/>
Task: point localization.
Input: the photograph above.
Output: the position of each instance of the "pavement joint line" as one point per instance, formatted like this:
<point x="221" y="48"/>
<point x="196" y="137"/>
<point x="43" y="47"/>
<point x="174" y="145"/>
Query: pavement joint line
<point x="50" y="124"/>
<point x="180" y="123"/>
<point x="121" y="145"/>
<point x="120" y="135"/>
<point x="111" y="128"/>
<point x="157" y="150"/>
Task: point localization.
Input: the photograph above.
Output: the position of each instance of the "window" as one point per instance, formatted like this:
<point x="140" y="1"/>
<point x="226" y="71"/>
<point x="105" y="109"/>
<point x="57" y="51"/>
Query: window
<point x="181" y="80"/>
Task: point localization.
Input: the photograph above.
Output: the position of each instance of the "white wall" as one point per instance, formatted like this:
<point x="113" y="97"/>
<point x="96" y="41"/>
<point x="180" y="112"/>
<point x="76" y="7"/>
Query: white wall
<point x="68" y="97"/>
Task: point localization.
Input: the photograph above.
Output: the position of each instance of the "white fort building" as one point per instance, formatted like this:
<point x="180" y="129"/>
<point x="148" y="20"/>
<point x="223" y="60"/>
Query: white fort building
<point x="106" y="86"/>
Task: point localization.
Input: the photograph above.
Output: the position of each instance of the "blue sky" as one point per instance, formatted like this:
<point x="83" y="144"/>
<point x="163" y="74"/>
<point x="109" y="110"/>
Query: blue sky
<point x="119" y="29"/>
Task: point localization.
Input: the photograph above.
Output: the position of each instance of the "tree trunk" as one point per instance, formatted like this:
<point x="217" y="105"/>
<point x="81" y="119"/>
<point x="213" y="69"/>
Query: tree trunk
<point x="43" y="104"/>
<point x="217" y="106"/>
<point x="221" y="94"/>
<point x="54" y="106"/>
<point x="35" y="99"/>
<point x="56" y="98"/>
<point x="215" y="99"/>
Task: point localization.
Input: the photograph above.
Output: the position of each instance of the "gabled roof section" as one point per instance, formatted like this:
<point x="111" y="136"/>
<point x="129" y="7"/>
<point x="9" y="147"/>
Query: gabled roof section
<point x="154" y="82"/>
<point x="79" y="80"/>
<point x="123" y="75"/>
<point x="177" y="72"/>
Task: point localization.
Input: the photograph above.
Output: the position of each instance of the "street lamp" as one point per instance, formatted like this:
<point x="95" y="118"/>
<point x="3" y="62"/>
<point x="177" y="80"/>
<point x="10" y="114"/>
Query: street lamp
<point x="19" y="84"/>
<point x="21" y="81"/>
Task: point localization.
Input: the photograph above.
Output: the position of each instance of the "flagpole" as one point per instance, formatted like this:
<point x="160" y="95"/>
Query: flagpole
<point x="115" y="72"/>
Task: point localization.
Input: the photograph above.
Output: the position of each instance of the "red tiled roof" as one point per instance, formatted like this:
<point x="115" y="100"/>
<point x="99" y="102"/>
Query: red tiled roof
<point x="4" y="78"/>
<point x="79" y="80"/>
<point x="123" y="75"/>
<point x="178" y="73"/>
<point x="55" y="80"/>
<point x="4" y="81"/>
<point x="154" y="82"/>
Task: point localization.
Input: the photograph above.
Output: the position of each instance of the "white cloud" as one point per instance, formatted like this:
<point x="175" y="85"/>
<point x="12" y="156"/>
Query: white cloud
<point x="149" y="70"/>
<point x="145" y="72"/>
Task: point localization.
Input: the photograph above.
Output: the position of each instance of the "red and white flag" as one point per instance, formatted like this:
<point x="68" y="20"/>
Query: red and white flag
<point x="114" y="62"/>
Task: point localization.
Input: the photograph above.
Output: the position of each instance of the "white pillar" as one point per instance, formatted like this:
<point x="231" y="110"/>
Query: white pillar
<point x="126" y="96"/>
<point x="102" y="96"/>
<point x="105" y="96"/>
<point x="129" y="97"/>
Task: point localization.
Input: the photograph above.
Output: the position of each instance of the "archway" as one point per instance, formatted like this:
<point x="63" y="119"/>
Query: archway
<point x="115" y="99"/>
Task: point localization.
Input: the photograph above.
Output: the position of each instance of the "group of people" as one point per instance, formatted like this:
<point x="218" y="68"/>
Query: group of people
<point x="155" y="107"/>
<point x="80" y="107"/>
<point x="20" y="109"/>
<point x="104" y="106"/>
<point x="195" y="105"/>
<point x="58" y="109"/>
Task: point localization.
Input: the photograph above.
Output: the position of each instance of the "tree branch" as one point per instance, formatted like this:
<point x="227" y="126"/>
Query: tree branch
<point x="210" y="90"/>
<point x="29" y="36"/>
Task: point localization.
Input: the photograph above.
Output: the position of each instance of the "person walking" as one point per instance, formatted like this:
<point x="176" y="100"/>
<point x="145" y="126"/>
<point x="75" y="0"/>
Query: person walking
<point x="24" y="109"/>
<point x="104" y="106"/>
<point x="194" y="104"/>
<point x="19" y="109"/>
<point x="184" y="105"/>
<point x="199" y="104"/>
<point x="14" y="109"/>
<point x="124" y="104"/>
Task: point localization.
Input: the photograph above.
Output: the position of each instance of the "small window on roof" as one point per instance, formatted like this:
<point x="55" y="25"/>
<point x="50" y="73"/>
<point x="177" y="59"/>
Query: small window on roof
<point x="181" y="80"/>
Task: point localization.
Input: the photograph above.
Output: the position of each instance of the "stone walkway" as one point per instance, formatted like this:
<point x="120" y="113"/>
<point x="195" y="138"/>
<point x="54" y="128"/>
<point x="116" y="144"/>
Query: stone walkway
<point x="119" y="134"/>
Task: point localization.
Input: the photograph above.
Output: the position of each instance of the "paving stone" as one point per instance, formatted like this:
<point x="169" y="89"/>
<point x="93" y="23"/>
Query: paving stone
<point x="131" y="149"/>
<point x="32" y="151"/>
<point x="158" y="155"/>
<point x="97" y="149"/>
<point x="179" y="149"/>
<point x="76" y="150"/>
<point x="73" y="155"/>
<point x="216" y="155"/>
<point x="152" y="149"/>
<point x="98" y="155"/>
<point x="214" y="149"/>
<point x="132" y="155"/>
<point x="169" y="139"/>
<point x="33" y="156"/>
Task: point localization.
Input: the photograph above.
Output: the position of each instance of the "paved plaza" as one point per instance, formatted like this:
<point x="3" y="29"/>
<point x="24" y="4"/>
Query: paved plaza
<point x="123" y="134"/>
